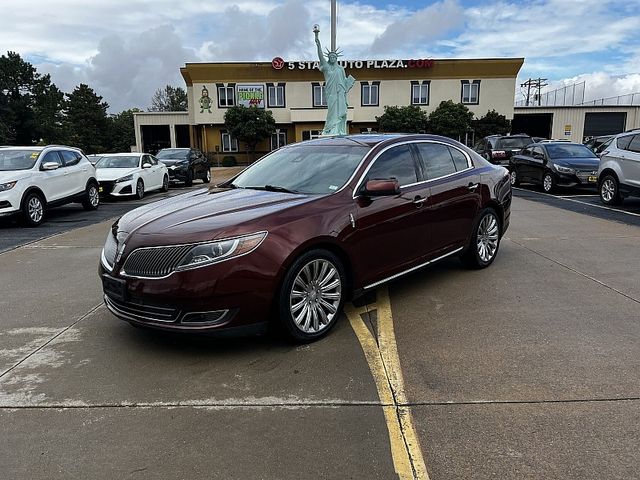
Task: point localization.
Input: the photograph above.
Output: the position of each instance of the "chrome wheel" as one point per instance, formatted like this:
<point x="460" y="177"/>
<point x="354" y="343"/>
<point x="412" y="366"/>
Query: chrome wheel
<point x="488" y="235"/>
<point x="315" y="296"/>
<point x="35" y="209"/>
<point x="608" y="190"/>
<point x="165" y="183"/>
<point x="513" y="177"/>
<point x="140" y="190"/>
<point x="547" y="182"/>
<point x="94" y="196"/>
<point x="208" y="176"/>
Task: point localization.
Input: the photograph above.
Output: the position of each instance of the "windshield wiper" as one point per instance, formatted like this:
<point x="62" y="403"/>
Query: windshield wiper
<point x="273" y="188"/>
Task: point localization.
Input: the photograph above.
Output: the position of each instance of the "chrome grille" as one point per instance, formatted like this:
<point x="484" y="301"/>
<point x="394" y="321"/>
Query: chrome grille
<point x="142" y="312"/>
<point x="110" y="249"/>
<point x="585" y="174"/>
<point x="154" y="262"/>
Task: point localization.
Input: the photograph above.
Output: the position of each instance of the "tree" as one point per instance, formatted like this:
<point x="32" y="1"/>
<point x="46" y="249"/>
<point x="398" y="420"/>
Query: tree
<point x="249" y="125"/>
<point x="121" y="131"/>
<point x="17" y="79"/>
<point x="86" y="119"/>
<point x="48" y="103"/>
<point x="169" y="99"/>
<point x="450" y="119"/>
<point x="490" y="124"/>
<point x="409" y="119"/>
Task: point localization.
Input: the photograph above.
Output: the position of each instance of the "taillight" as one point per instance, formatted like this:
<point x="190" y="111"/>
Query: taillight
<point x="498" y="154"/>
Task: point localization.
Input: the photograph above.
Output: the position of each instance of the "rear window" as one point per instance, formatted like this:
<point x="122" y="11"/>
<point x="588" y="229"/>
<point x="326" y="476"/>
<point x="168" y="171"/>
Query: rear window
<point x="513" y="142"/>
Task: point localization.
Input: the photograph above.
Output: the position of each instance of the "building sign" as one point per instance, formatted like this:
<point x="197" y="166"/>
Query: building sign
<point x="278" y="63"/>
<point x="567" y="129"/>
<point x="250" y="95"/>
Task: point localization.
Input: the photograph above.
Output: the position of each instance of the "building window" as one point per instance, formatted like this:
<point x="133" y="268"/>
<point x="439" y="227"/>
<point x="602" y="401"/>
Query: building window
<point x="470" y="92"/>
<point x="278" y="139"/>
<point x="226" y="95"/>
<point x="229" y="144"/>
<point x="370" y="94"/>
<point x="275" y="95"/>
<point x="311" y="134"/>
<point x="420" y="92"/>
<point x="319" y="99"/>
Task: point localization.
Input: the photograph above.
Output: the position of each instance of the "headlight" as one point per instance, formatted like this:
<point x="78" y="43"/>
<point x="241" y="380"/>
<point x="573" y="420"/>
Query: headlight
<point x="7" y="186"/>
<point x="562" y="169"/>
<point x="128" y="178"/>
<point x="219" y="251"/>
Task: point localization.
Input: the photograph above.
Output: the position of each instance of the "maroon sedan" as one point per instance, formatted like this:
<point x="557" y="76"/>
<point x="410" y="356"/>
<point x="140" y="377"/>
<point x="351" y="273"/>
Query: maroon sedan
<point x="302" y="230"/>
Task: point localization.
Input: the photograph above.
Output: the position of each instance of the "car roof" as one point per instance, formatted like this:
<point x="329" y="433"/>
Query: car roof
<point x="372" y="139"/>
<point x="119" y="154"/>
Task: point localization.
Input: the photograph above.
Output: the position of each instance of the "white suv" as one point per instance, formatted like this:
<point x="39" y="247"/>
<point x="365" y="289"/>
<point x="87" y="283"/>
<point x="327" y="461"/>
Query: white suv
<point x="619" y="171"/>
<point x="35" y="178"/>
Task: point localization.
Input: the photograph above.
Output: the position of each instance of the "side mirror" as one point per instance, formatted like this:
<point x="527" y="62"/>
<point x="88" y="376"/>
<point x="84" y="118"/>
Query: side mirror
<point x="50" y="166"/>
<point x="146" y="165"/>
<point x="382" y="187"/>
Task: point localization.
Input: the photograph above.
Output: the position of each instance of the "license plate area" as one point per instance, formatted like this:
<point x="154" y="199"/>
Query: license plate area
<point x="114" y="287"/>
<point x="592" y="179"/>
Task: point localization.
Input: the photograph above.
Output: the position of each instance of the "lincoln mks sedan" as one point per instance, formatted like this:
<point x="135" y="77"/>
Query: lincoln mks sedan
<point x="299" y="232"/>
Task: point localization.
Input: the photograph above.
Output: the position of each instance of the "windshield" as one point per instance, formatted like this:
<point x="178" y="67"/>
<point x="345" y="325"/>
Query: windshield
<point x="569" y="151"/>
<point x="17" y="159"/>
<point x="118" y="162"/>
<point x="172" y="153"/>
<point x="314" y="169"/>
<point x="513" y="142"/>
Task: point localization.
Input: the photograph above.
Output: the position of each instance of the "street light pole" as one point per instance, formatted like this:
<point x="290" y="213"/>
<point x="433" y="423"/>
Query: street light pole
<point x="334" y="9"/>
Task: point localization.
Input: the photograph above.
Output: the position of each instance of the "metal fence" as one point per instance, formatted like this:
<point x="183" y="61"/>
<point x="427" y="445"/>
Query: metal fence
<point x="628" y="99"/>
<point x="560" y="97"/>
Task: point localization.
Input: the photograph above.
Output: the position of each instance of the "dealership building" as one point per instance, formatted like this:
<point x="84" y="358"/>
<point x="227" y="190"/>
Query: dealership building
<point x="293" y="91"/>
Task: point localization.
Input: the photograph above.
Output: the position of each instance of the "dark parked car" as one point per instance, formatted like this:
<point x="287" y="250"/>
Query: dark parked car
<point x="185" y="165"/>
<point x="300" y="231"/>
<point x="498" y="149"/>
<point x="555" y="164"/>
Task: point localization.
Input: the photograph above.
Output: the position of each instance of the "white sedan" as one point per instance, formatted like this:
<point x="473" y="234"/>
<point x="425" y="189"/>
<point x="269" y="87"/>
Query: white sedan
<point x="124" y="174"/>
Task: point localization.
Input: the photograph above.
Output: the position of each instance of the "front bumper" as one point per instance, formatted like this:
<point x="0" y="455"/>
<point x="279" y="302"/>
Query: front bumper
<point x="579" y="179"/>
<point x="121" y="189"/>
<point x="9" y="202"/>
<point x="177" y="173"/>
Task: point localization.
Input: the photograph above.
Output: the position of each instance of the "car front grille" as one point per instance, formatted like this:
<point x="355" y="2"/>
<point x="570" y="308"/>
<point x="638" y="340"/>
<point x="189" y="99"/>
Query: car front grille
<point x="107" y="187"/>
<point x="142" y="312"/>
<point x="585" y="174"/>
<point x="154" y="262"/>
<point x="110" y="250"/>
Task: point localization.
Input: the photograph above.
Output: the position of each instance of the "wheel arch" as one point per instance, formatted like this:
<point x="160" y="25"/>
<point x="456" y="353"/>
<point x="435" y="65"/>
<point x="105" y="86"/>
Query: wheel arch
<point x="33" y="189"/>
<point x="608" y="171"/>
<point x="92" y="180"/>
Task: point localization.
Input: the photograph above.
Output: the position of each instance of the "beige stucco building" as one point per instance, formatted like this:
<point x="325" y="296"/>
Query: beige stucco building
<point x="293" y="92"/>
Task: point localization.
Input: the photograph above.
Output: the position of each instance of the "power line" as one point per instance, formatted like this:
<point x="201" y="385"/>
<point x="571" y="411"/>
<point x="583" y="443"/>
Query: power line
<point x="535" y="83"/>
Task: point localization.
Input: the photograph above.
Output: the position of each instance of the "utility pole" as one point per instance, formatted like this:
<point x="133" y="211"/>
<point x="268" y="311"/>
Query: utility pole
<point x="334" y="14"/>
<point x="536" y="83"/>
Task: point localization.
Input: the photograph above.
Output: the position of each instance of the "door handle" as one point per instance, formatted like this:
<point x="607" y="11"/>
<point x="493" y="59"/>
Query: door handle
<point x="472" y="186"/>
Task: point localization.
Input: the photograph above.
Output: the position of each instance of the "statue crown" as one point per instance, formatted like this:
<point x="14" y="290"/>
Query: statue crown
<point x="337" y="52"/>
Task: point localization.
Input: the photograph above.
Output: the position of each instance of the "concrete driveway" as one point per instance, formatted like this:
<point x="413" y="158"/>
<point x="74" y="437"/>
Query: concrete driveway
<point x="528" y="369"/>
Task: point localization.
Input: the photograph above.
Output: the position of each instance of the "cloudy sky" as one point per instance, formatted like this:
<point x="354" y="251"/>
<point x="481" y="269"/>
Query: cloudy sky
<point x="126" y="49"/>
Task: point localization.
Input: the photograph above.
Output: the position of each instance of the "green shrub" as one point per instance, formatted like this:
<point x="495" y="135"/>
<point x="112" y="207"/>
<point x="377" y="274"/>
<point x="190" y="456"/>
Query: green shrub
<point x="229" y="161"/>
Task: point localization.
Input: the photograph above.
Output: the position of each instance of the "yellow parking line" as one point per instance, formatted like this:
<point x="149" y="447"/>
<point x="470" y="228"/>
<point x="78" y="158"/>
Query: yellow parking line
<point x="384" y="363"/>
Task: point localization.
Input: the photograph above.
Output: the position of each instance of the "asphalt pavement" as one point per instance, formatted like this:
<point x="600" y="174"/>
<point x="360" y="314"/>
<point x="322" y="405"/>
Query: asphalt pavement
<point x="527" y="369"/>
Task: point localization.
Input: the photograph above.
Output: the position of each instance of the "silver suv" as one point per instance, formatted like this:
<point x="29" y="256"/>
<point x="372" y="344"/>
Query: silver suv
<point x="619" y="171"/>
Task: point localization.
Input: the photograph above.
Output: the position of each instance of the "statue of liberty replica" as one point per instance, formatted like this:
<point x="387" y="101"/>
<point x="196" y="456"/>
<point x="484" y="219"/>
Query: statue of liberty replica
<point x="337" y="85"/>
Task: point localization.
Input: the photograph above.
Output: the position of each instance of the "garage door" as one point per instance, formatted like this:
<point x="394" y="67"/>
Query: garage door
<point x="609" y="123"/>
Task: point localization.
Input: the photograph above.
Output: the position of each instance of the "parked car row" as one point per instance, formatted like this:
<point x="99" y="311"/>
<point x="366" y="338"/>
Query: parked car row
<point x="33" y="179"/>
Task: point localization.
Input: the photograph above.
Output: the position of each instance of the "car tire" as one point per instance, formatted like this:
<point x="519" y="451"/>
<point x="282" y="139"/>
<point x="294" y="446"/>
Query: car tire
<point x="165" y="183"/>
<point x="514" y="178"/>
<point x="548" y="182"/>
<point x="306" y="309"/>
<point x="609" y="190"/>
<point x="485" y="240"/>
<point x="140" y="190"/>
<point x="188" y="181"/>
<point x="206" y="178"/>
<point x="91" y="199"/>
<point x="33" y="210"/>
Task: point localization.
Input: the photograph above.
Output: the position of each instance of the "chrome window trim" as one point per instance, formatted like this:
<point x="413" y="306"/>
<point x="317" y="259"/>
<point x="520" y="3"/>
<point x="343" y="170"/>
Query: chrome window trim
<point x="470" y="165"/>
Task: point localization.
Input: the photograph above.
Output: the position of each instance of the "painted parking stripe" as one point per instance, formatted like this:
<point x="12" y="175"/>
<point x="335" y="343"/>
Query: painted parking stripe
<point x="384" y="363"/>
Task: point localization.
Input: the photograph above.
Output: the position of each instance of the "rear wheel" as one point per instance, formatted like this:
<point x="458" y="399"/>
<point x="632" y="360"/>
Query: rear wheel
<point x="140" y="190"/>
<point x="312" y="295"/>
<point x="188" y="181"/>
<point x="485" y="240"/>
<point x="610" y="190"/>
<point x="165" y="183"/>
<point x="92" y="197"/>
<point x="33" y="210"/>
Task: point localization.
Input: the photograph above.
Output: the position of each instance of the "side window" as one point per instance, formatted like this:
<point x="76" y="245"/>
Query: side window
<point x="397" y="162"/>
<point x="623" y="142"/>
<point x="537" y="152"/>
<point x="459" y="159"/>
<point x="526" y="151"/>
<point x="437" y="160"/>
<point x="70" y="158"/>
<point x="634" y="145"/>
<point x="52" y="157"/>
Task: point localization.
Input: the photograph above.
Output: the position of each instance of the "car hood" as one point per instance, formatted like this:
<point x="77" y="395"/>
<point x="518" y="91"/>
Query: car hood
<point x="110" y="174"/>
<point x="171" y="161"/>
<point x="14" y="175"/>
<point x="203" y="215"/>
<point x="586" y="163"/>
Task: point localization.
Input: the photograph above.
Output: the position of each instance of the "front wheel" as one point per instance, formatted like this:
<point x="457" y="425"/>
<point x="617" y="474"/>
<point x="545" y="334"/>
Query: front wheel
<point x="91" y="197"/>
<point x="485" y="240"/>
<point x="140" y="190"/>
<point x="33" y="210"/>
<point x="165" y="183"/>
<point x="312" y="295"/>
<point x="188" y="181"/>
<point x="513" y="177"/>
<point x="548" y="182"/>
<point x="610" y="191"/>
<point x="207" y="176"/>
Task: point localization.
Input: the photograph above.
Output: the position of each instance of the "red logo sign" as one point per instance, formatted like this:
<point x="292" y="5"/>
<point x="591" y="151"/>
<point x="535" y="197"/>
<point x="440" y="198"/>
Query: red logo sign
<point x="277" y="63"/>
